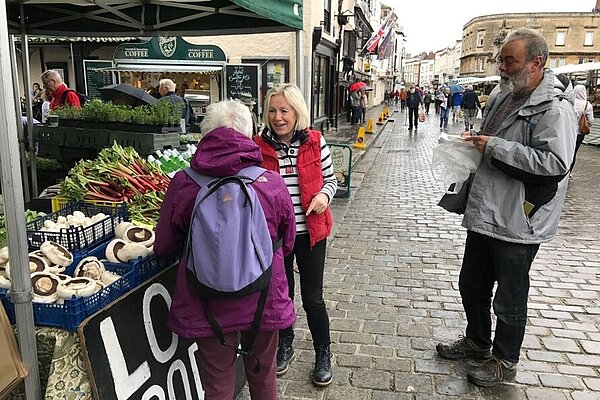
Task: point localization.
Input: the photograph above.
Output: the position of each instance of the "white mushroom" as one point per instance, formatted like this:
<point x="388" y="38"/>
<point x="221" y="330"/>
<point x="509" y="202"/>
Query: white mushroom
<point x="109" y="277"/>
<point x="113" y="248"/>
<point x="89" y="267"/>
<point x="57" y="254"/>
<point x="121" y="228"/>
<point x="36" y="264"/>
<point x="4" y="255"/>
<point x="61" y="220"/>
<point x="138" y="234"/>
<point x="132" y="251"/>
<point x="98" y="217"/>
<point x="44" y="287"/>
<point x="4" y="281"/>
<point x="78" y="287"/>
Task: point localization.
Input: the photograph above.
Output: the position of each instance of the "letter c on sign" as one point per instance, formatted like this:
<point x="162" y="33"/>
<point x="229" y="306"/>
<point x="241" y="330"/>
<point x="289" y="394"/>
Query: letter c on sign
<point x="160" y="355"/>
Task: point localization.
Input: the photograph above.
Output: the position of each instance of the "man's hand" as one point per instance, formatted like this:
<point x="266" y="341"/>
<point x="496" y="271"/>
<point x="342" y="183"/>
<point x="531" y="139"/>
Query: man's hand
<point x="466" y="134"/>
<point x="478" y="141"/>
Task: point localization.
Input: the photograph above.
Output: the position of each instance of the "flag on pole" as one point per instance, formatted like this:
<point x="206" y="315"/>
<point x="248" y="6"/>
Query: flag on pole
<point x="376" y="37"/>
<point x="385" y="48"/>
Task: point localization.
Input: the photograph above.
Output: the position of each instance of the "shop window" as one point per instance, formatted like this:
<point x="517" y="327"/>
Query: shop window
<point x="480" y="36"/>
<point x="560" y="38"/>
<point x="320" y="86"/>
<point x="589" y="38"/>
<point x="272" y="72"/>
<point x="552" y="63"/>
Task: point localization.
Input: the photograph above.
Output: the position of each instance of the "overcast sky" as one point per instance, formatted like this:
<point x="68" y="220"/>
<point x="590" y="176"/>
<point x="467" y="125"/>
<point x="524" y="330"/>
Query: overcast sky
<point x="434" y="25"/>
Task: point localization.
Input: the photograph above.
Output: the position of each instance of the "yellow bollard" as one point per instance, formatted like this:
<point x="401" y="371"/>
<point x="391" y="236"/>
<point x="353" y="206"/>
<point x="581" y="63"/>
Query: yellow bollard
<point x="369" y="126"/>
<point x="360" y="139"/>
<point x="380" y="120"/>
<point x="386" y="113"/>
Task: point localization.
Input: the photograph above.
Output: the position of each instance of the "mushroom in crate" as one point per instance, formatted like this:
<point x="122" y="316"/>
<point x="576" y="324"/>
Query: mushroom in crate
<point x="4" y="281"/>
<point x="77" y="287"/>
<point x="58" y="256"/>
<point x="132" y="242"/>
<point x="93" y="268"/>
<point x="45" y="287"/>
<point x="36" y="264"/>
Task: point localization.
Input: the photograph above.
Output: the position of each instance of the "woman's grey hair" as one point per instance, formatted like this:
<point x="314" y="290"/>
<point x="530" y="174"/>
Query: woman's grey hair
<point x="293" y="95"/>
<point x="227" y="114"/>
<point x="536" y="44"/>
<point x="169" y="84"/>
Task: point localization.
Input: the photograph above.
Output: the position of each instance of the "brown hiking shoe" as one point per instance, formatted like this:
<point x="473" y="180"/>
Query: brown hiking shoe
<point x="462" y="348"/>
<point x="492" y="372"/>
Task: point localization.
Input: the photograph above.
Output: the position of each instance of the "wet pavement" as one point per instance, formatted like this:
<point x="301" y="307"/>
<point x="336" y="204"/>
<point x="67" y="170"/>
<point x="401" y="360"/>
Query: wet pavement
<point x="391" y="285"/>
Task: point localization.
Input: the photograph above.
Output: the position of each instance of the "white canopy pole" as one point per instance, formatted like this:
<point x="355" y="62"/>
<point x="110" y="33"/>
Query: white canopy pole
<point x="14" y="210"/>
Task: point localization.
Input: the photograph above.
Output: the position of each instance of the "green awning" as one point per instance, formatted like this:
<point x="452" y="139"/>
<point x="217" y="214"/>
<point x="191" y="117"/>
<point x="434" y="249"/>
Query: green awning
<point x="153" y="18"/>
<point x="287" y="12"/>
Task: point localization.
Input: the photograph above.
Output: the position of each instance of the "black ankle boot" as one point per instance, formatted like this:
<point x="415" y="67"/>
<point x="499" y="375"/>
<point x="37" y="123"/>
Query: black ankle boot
<point x="322" y="374"/>
<point x="285" y="354"/>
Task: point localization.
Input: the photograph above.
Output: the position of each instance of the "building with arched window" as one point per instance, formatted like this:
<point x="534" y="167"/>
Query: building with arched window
<point x="573" y="38"/>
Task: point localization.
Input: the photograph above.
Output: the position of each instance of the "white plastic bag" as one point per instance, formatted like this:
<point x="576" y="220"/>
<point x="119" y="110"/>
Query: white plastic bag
<point x="454" y="159"/>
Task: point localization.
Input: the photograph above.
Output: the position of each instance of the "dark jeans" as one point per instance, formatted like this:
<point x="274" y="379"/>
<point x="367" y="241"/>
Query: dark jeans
<point x="427" y="108"/>
<point x="413" y="117"/>
<point x="311" y="265"/>
<point x="577" y="144"/>
<point x="488" y="260"/>
<point x="356" y="114"/>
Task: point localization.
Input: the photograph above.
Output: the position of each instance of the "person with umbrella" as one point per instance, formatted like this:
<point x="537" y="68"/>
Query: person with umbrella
<point x="355" y="95"/>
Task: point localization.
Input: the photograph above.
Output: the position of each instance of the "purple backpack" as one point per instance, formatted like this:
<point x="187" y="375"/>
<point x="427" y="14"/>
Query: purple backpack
<point x="229" y="249"/>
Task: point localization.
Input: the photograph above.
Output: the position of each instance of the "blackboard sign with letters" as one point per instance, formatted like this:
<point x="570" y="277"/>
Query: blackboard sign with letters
<point x="242" y="80"/>
<point x="131" y="354"/>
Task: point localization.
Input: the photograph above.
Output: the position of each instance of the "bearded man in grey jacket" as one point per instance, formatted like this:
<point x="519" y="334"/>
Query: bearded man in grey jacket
<point x="527" y="141"/>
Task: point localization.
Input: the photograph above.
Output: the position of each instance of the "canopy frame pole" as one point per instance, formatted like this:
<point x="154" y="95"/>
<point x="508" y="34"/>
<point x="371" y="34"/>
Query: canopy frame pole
<point x="28" y="100"/>
<point x="21" y="293"/>
<point x="299" y="63"/>
<point x="20" y="129"/>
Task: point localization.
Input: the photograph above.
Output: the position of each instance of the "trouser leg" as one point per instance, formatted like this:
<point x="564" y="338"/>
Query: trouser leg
<point x="217" y="366"/>
<point x="512" y="264"/>
<point x="475" y="283"/>
<point x="262" y="385"/>
<point x="311" y="264"/>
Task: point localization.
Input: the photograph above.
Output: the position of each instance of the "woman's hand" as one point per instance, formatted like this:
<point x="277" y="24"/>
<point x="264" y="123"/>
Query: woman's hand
<point x="318" y="204"/>
<point x="479" y="142"/>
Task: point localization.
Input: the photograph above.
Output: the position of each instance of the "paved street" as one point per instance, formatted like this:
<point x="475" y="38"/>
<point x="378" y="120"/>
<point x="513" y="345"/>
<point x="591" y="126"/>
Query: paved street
<point x="392" y="287"/>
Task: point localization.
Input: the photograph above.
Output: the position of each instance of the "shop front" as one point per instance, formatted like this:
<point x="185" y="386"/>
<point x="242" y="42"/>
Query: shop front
<point x="197" y="70"/>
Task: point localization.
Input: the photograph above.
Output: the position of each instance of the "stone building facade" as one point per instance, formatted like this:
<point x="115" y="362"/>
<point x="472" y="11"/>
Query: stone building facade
<point x="573" y="38"/>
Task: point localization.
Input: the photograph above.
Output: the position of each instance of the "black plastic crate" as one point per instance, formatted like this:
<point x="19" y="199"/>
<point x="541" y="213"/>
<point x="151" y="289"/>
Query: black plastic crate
<point x="77" y="239"/>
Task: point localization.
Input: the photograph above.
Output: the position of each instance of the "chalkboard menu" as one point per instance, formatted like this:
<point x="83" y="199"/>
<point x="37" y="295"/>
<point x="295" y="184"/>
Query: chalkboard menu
<point x="94" y="79"/>
<point x="242" y="80"/>
<point x="131" y="354"/>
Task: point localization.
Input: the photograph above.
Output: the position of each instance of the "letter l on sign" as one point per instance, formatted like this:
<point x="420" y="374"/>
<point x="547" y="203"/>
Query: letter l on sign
<point x="125" y="384"/>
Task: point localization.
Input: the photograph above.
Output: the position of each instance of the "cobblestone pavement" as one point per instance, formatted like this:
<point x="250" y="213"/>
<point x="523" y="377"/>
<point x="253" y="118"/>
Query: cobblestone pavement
<point x="391" y="287"/>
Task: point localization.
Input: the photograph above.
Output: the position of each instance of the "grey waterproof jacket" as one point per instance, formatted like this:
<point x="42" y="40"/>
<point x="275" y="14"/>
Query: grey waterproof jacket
<point x="519" y="188"/>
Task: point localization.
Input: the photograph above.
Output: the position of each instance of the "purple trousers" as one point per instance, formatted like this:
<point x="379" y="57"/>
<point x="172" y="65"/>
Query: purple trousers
<point x="217" y="366"/>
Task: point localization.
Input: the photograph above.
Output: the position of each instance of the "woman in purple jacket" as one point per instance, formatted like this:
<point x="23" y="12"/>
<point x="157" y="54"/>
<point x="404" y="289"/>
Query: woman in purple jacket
<point x="226" y="148"/>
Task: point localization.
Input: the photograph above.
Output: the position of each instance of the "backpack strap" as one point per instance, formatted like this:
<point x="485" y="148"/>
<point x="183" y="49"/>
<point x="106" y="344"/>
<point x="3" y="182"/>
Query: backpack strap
<point x="64" y="96"/>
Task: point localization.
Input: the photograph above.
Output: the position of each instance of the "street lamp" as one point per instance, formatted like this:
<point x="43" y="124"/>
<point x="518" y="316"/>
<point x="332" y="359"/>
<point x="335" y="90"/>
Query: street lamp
<point x="343" y="18"/>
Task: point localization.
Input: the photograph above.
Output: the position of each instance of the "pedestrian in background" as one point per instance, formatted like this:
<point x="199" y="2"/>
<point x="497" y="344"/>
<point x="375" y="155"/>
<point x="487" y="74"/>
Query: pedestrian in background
<point x="470" y="106"/>
<point x="582" y="106"/>
<point x="403" y="95"/>
<point x="413" y="101"/>
<point x="456" y="102"/>
<point x="514" y="204"/>
<point x="59" y="92"/>
<point x="166" y="89"/>
<point x="364" y="103"/>
<point x="302" y="157"/>
<point x="356" y="108"/>
<point x="427" y="101"/>
<point x="445" y="107"/>
<point x="226" y="147"/>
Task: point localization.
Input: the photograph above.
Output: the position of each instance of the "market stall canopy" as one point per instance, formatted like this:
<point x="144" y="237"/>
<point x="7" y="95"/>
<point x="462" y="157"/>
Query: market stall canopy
<point x="152" y="17"/>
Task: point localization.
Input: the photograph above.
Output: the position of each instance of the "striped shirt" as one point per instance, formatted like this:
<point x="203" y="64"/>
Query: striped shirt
<point x="287" y="169"/>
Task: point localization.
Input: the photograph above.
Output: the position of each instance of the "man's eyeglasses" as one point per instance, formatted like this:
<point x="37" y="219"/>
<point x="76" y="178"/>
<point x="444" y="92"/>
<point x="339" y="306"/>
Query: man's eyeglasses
<point x="47" y="82"/>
